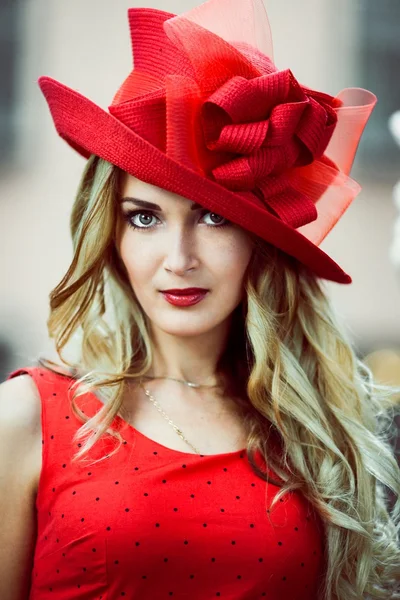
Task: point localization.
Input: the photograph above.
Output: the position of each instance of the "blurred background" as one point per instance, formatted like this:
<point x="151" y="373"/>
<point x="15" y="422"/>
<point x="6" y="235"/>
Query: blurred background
<point x="328" y="44"/>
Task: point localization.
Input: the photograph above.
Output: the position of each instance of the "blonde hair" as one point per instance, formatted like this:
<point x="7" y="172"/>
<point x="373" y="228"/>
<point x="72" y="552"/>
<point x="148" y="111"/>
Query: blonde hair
<point x="299" y="375"/>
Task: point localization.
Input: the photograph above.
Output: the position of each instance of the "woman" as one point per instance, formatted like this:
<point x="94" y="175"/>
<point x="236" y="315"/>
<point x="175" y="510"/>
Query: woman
<point x="223" y="443"/>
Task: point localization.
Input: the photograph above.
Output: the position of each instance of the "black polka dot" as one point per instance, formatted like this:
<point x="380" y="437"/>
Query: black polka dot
<point x="302" y="564"/>
<point x="157" y="524"/>
<point x="62" y="516"/>
<point x="116" y="562"/>
<point x="253" y="484"/>
<point x="164" y="481"/>
<point x="251" y="525"/>
<point x="108" y="528"/>
<point x="136" y="468"/>
<point x="145" y="494"/>
<point x="89" y="473"/>
<point x="204" y="524"/>
<point x="175" y="509"/>
<point x="155" y="452"/>
<point x="73" y="493"/>
<point x="144" y="576"/>
<point x="97" y="499"/>
<point x="296" y="528"/>
<point x="239" y="577"/>
<point x="186" y="542"/>
<point x="222" y="510"/>
<point x="283" y="578"/>
<point x="192" y="495"/>
<point x="93" y="549"/>
<point x="64" y="465"/>
<point x="209" y="482"/>
<point x="183" y="466"/>
<point x="237" y="497"/>
<point x="82" y="519"/>
<point x="279" y="543"/>
<point x="137" y="543"/>
<point x="213" y="559"/>
<point x="260" y="559"/>
<point x="225" y="469"/>
<point x="67" y="417"/>
<point x="52" y="437"/>
<point x="84" y="568"/>
<point x="127" y="510"/>
<point x="233" y="542"/>
<point x="54" y="394"/>
<point x="165" y="559"/>
<point x="117" y="482"/>
<point x="191" y="576"/>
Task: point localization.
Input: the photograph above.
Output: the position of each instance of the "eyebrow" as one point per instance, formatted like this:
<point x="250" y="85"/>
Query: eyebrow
<point x="151" y="205"/>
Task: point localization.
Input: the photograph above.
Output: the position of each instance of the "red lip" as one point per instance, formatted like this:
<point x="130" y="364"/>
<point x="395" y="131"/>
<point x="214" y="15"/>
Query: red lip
<point x="185" y="291"/>
<point x="184" y="299"/>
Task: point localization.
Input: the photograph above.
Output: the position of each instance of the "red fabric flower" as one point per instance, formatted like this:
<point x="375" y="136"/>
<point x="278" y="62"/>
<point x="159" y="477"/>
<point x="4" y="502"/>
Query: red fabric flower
<point x="270" y="124"/>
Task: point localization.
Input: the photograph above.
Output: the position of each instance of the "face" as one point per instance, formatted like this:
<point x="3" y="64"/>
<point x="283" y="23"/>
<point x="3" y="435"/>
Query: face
<point x="178" y="244"/>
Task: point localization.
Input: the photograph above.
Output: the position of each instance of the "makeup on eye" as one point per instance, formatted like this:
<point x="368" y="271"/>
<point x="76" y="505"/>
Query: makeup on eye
<point x="131" y="214"/>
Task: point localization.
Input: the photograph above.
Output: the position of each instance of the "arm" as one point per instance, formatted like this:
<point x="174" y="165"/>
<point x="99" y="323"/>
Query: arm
<point x="20" y="462"/>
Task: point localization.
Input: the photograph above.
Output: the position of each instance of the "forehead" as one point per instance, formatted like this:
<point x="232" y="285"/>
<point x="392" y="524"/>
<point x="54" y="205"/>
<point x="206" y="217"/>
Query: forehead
<point x="136" y="188"/>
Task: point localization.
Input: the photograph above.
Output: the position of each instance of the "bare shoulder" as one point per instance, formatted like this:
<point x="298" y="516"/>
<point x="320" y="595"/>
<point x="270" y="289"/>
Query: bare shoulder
<point x="20" y="465"/>
<point x="20" y="406"/>
<point x="21" y="428"/>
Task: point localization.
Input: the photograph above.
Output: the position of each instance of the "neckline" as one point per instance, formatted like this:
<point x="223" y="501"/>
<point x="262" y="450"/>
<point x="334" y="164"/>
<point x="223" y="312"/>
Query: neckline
<point x="130" y="428"/>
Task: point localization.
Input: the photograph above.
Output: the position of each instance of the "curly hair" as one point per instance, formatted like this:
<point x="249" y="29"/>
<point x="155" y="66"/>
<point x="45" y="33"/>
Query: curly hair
<point x="289" y="358"/>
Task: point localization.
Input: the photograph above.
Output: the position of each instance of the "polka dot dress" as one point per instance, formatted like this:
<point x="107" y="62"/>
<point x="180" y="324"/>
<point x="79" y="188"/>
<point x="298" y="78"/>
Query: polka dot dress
<point x="152" y="522"/>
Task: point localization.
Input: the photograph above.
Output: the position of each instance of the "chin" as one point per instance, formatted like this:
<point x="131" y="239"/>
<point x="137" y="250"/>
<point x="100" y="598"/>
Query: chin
<point x="183" y="325"/>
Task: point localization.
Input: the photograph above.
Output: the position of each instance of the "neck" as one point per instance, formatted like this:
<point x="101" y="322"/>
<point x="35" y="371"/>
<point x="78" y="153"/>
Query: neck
<point x="194" y="359"/>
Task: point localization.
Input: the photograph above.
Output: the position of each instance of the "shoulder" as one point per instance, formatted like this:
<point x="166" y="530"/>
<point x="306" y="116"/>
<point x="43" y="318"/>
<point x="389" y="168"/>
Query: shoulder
<point x="20" y="436"/>
<point x="20" y="406"/>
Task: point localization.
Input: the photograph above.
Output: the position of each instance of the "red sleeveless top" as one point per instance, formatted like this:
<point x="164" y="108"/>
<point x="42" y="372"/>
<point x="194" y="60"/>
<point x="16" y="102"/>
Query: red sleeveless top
<point x="152" y="522"/>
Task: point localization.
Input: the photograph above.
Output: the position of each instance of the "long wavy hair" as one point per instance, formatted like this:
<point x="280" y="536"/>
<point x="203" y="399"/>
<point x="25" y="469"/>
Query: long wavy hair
<point x="288" y="362"/>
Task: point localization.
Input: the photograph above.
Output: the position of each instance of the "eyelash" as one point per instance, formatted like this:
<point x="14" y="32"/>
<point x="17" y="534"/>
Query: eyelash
<point x="128" y="216"/>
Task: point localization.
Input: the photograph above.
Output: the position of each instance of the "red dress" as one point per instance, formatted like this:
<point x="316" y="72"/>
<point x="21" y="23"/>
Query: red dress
<point x="151" y="522"/>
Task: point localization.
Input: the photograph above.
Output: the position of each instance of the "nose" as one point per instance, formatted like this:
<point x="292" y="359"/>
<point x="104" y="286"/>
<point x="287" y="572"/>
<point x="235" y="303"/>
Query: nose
<point x="180" y="252"/>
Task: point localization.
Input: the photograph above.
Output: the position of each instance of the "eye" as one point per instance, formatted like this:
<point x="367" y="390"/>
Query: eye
<point x="143" y="220"/>
<point x="217" y="216"/>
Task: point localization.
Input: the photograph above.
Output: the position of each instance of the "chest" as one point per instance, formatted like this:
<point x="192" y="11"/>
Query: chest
<point x="148" y="522"/>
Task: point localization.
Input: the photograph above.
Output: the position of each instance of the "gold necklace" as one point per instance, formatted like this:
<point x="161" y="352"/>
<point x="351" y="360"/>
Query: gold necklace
<point x="177" y="430"/>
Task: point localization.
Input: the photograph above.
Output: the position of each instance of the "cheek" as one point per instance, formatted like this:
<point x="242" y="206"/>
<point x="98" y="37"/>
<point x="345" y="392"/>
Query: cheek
<point x="137" y="260"/>
<point x="234" y="258"/>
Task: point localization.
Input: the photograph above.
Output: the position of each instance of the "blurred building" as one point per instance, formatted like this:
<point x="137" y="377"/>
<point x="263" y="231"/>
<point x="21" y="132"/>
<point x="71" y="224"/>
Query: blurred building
<point x="328" y="44"/>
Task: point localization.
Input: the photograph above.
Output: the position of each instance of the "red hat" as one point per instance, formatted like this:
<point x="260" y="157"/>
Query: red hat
<point x="207" y="115"/>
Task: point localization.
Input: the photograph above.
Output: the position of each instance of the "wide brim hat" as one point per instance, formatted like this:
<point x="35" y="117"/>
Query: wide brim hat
<point x="206" y="114"/>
